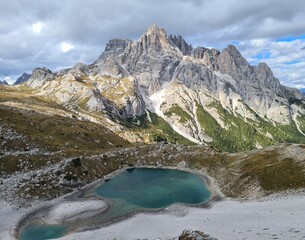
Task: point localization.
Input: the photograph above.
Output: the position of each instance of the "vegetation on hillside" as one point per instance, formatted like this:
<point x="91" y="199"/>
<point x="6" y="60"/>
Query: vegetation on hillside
<point x="57" y="152"/>
<point x="157" y="128"/>
<point x="178" y="111"/>
<point x="242" y="135"/>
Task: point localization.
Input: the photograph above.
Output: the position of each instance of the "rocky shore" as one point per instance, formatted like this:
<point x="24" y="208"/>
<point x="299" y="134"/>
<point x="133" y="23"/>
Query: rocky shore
<point x="277" y="218"/>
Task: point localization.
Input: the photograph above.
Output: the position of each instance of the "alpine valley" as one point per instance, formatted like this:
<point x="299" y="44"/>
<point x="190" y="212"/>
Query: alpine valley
<point x="155" y="101"/>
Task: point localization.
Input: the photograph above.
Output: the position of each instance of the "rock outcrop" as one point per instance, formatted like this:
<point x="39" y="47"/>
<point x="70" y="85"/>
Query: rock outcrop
<point x="183" y="46"/>
<point x="195" y="235"/>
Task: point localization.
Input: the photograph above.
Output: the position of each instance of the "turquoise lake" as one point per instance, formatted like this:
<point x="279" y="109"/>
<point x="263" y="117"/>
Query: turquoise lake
<point x="34" y="231"/>
<point x="132" y="191"/>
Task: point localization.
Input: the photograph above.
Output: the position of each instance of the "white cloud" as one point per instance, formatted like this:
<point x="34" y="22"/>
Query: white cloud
<point x="23" y="44"/>
<point x="37" y="27"/>
<point x="9" y="80"/>
<point x="66" y="47"/>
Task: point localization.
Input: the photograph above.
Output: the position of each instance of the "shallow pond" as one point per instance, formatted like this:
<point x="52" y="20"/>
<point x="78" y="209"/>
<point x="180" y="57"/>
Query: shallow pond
<point x="132" y="191"/>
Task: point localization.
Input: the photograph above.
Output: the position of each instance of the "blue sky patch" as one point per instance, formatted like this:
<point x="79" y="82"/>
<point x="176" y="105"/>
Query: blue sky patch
<point x="292" y="62"/>
<point x="263" y="55"/>
<point x="290" y="38"/>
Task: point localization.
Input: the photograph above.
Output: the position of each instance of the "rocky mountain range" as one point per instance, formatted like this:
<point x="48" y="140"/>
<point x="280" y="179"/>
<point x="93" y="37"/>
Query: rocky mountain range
<point x="162" y="88"/>
<point x="23" y="78"/>
<point x="3" y="82"/>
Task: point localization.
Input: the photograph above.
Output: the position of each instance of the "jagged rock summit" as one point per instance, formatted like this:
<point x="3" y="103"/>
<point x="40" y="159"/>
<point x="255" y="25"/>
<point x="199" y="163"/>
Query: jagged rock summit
<point x="23" y="78"/>
<point x="204" y="95"/>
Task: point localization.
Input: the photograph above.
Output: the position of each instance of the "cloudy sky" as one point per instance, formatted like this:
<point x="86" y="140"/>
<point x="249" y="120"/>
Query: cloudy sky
<point x="58" y="34"/>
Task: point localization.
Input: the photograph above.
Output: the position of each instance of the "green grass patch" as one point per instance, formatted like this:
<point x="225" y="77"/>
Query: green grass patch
<point x="175" y="109"/>
<point x="162" y="129"/>
<point x="273" y="174"/>
<point x="158" y="129"/>
<point x="301" y="121"/>
<point x="242" y="135"/>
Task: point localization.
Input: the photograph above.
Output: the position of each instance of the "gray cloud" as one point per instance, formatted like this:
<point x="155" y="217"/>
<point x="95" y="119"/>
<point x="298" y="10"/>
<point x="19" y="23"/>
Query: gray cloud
<point x="88" y="25"/>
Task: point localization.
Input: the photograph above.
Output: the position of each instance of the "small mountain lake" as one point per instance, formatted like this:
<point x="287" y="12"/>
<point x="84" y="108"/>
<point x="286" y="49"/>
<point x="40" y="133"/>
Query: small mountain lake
<point x="133" y="191"/>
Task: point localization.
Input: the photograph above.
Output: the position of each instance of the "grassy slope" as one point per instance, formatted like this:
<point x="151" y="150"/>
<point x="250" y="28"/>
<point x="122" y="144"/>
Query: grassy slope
<point x="238" y="175"/>
<point x="246" y="174"/>
<point x="274" y="169"/>
<point x="175" y="109"/>
<point x="158" y="129"/>
<point x="243" y="135"/>
<point x="25" y="129"/>
<point x="301" y="120"/>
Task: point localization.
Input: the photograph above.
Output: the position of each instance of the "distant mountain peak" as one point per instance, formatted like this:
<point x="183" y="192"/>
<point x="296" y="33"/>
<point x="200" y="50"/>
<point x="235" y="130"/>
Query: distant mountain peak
<point x="154" y="38"/>
<point x="3" y="82"/>
<point x="117" y="44"/>
<point x="23" y="78"/>
<point x="154" y="29"/>
<point x="39" y="76"/>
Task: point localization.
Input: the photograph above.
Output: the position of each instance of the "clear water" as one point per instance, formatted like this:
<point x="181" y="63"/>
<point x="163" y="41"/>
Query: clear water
<point x="142" y="189"/>
<point x="155" y="188"/>
<point x="34" y="231"/>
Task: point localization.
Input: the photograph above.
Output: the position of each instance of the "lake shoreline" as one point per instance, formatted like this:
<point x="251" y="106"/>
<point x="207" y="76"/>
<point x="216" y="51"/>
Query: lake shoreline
<point x="81" y="194"/>
<point x="228" y="219"/>
<point x="216" y="197"/>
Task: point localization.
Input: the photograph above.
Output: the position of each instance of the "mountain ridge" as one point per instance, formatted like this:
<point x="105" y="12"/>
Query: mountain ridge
<point x="200" y="93"/>
<point x="3" y="82"/>
<point x="23" y="78"/>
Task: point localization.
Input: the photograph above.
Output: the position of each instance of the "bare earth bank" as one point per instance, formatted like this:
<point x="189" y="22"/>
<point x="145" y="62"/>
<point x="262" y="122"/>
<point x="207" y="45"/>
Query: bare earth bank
<point x="272" y="218"/>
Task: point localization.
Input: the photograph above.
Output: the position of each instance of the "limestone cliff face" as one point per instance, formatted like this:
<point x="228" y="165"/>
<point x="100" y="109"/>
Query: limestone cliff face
<point x="183" y="46"/>
<point x="204" y="94"/>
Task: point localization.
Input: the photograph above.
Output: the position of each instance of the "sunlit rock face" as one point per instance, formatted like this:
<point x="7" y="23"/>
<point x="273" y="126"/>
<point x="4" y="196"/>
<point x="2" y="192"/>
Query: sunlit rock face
<point x="190" y="88"/>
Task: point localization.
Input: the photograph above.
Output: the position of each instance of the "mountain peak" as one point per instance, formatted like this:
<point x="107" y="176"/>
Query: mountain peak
<point x="232" y="51"/>
<point x="117" y="44"/>
<point x="23" y="78"/>
<point x="154" y="38"/>
<point x="39" y="76"/>
<point x="3" y="82"/>
<point x="264" y="66"/>
<point x="231" y="62"/>
<point x="154" y="29"/>
<point x="231" y="48"/>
